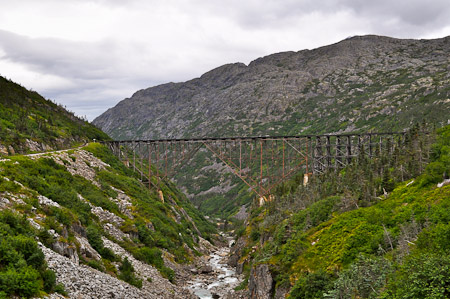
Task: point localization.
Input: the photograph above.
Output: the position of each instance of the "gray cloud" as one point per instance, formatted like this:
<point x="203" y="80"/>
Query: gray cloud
<point x="90" y="54"/>
<point x="424" y="15"/>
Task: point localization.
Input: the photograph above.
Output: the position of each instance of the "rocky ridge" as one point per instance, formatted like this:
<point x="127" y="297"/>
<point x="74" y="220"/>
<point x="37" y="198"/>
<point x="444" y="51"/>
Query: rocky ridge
<point x="358" y="83"/>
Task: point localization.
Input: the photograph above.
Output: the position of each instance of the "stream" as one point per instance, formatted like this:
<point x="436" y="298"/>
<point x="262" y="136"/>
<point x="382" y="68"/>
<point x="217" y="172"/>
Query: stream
<point x="220" y="281"/>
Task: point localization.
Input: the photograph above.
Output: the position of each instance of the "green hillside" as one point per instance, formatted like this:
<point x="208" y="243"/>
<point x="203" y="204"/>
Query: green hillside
<point x="360" y="233"/>
<point x="85" y="205"/>
<point x="73" y="196"/>
<point x="28" y="122"/>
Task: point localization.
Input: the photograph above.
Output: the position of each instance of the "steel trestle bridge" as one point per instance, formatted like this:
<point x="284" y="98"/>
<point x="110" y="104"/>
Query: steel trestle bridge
<point x="261" y="162"/>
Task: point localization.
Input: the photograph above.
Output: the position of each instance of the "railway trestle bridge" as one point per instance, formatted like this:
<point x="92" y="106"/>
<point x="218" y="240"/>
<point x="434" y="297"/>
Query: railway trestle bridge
<point x="261" y="162"/>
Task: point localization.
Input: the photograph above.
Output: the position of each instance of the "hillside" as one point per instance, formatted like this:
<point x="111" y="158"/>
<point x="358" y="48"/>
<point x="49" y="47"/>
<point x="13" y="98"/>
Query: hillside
<point x="363" y="232"/>
<point x="78" y="222"/>
<point x="28" y="122"/>
<point x="365" y="83"/>
<point x="101" y="231"/>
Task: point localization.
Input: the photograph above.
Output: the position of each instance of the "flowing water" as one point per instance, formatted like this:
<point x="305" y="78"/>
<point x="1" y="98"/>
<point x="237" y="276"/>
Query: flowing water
<point x="220" y="281"/>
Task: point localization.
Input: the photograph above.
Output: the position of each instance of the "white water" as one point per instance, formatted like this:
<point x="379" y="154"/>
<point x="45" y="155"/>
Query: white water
<point x="220" y="281"/>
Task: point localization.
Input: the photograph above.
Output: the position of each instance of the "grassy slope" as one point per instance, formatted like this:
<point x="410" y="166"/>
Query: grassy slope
<point x="381" y="250"/>
<point x="44" y="176"/>
<point x="24" y="114"/>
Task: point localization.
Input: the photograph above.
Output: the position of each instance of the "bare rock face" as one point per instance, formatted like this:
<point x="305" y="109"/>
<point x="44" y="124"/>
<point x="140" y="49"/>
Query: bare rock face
<point x="235" y="253"/>
<point x="260" y="283"/>
<point x="67" y="250"/>
<point x="86" y="249"/>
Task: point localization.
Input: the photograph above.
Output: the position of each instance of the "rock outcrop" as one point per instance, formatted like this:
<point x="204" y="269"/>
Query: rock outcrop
<point x="81" y="281"/>
<point x="260" y="283"/>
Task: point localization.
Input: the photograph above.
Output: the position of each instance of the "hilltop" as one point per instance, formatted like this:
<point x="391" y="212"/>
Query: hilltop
<point x="29" y="122"/>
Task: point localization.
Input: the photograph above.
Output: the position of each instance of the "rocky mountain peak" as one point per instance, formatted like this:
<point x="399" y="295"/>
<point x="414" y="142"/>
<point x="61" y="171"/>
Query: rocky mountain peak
<point x="363" y="80"/>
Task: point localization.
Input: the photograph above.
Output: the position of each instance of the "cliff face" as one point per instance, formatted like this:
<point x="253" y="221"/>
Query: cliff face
<point x="361" y="83"/>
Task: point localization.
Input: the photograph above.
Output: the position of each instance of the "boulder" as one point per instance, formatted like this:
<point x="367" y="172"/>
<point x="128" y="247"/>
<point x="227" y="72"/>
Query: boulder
<point x="205" y="269"/>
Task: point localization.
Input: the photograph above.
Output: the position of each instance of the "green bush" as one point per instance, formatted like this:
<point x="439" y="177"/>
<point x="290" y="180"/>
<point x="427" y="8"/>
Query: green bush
<point x="151" y="256"/>
<point x="22" y="281"/>
<point x="127" y="273"/>
<point x="49" y="280"/>
<point x="365" y="278"/>
<point x="425" y="275"/>
<point x="23" y="271"/>
<point x="8" y="186"/>
<point x="311" y="285"/>
<point x="95" y="239"/>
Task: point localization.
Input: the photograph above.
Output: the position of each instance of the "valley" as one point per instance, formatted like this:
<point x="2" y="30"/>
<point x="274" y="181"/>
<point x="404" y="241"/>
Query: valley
<point x="92" y="214"/>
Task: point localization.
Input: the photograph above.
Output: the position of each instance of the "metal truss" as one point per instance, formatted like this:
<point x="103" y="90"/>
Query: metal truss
<point x="260" y="162"/>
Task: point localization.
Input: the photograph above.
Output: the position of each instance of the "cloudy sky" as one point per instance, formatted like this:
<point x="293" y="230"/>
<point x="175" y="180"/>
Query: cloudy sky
<point x="90" y="54"/>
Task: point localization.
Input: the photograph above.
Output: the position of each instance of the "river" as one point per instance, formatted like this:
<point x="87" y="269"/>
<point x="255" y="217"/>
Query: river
<point x="220" y="281"/>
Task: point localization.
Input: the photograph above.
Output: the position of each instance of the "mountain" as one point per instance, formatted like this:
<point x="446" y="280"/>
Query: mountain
<point x="28" y="122"/>
<point x="362" y="83"/>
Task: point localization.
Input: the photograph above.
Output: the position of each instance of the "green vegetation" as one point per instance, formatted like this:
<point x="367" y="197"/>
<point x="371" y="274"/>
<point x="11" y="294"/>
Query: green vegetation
<point x="23" y="270"/>
<point x="343" y="237"/>
<point x="154" y="225"/>
<point x="127" y="273"/>
<point x="25" y="115"/>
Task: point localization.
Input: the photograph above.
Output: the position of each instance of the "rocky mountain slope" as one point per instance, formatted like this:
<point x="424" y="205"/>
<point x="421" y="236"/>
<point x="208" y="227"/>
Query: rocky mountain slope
<point x="364" y="83"/>
<point x="361" y="83"/>
<point x="28" y="122"/>
<point x="102" y="232"/>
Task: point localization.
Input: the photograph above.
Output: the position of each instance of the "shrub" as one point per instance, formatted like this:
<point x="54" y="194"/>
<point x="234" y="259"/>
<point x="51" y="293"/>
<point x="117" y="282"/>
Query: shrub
<point x="95" y="239"/>
<point x="311" y="285"/>
<point x="151" y="256"/>
<point x="127" y="273"/>
<point x="424" y="275"/>
<point x="363" y="279"/>
<point x="23" y="271"/>
<point x="49" y="280"/>
<point x="59" y="288"/>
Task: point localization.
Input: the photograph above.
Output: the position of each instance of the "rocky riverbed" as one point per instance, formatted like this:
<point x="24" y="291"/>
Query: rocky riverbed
<point x="215" y="278"/>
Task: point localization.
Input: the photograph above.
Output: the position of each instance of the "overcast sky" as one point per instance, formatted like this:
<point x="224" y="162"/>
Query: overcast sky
<point x="90" y="54"/>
